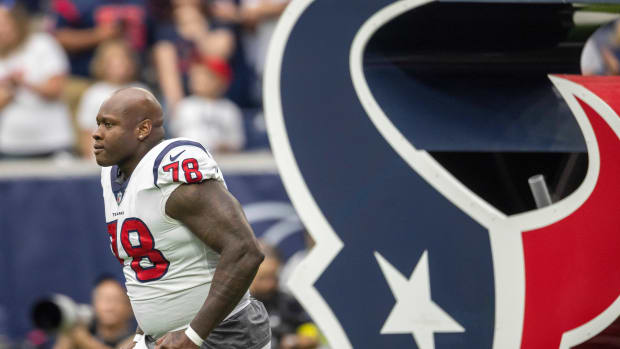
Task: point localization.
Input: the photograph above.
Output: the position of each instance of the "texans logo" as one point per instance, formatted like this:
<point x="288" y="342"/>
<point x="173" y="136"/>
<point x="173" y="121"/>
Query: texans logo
<point x="406" y="255"/>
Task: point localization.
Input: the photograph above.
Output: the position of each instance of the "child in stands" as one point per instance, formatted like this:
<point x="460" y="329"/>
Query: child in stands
<point x="206" y="116"/>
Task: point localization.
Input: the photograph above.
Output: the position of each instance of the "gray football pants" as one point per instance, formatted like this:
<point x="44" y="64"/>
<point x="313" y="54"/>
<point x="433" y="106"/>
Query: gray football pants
<point x="248" y="329"/>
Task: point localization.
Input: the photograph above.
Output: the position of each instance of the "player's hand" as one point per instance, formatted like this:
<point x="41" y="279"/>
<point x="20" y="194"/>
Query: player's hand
<point x="175" y="340"/>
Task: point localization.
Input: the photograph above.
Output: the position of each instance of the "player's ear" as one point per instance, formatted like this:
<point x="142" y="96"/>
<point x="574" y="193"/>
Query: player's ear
<point x="144" y="129"/>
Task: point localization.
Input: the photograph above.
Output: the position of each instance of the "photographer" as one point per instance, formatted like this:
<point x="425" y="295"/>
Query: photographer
<point x="112" y="326"/>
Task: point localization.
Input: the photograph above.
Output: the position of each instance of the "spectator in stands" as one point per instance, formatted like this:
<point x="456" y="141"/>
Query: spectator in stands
<point x="290" y="325"/>
<point x="205" y="115"/>
<point x="33" y="121"/>
<point x="259" y="17"/>
<point x="242" y="90"/>
<point x="601" y="54"/>
<point x="113" y="326"/>
<point x="114" y="66"/>
<point x="81" y="25"/>
<point x="188" y="34"/>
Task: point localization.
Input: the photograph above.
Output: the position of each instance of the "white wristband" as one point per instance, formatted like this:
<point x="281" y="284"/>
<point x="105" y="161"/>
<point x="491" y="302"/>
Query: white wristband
<point x="138" y="337"/>
<point x="193" y="336"/>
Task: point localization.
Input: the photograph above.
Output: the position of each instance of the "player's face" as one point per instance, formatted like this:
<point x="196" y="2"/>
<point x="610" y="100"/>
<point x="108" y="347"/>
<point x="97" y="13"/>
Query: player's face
<point x="115" y="139"/>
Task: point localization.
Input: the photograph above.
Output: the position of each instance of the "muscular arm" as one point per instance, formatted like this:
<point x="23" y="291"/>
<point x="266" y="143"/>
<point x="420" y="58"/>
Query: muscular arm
<point x="215" y="216"/>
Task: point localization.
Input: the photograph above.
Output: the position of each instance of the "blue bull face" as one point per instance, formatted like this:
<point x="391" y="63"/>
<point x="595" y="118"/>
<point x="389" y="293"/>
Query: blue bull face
<point x="407" y="256"/>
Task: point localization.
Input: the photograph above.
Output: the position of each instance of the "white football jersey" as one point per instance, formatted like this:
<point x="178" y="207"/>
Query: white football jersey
<point x="168" y="270"/>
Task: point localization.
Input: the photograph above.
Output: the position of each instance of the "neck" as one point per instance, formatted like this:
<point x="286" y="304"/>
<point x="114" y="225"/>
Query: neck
<point x="129" y="165"/>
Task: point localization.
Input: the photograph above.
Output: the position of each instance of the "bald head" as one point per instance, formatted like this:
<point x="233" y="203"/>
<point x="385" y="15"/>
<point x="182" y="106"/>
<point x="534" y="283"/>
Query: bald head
<point x="135" y="104"/>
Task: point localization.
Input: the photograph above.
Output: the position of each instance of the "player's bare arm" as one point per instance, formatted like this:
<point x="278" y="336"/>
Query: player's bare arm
<point x="215" y="216"/>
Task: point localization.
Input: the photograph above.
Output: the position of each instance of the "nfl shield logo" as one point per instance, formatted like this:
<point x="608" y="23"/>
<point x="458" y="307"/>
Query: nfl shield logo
<point x="119" y="197"/>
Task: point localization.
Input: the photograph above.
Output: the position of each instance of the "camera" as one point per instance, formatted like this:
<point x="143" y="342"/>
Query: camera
<point x="59" y="313"/>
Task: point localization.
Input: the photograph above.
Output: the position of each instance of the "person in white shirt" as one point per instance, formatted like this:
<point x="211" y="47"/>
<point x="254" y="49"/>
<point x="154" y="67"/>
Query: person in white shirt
<point x="33" y="120"/>
<point x="115" y="67"/>
<point x="259" y="17"/>
<point x="206" y="116"/>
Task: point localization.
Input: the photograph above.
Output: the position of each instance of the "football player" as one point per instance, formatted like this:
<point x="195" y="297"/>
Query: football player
<point x="187" y="250"/>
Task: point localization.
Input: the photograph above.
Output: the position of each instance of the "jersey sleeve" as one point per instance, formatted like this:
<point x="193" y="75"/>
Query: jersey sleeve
<point x="187" y="162"/>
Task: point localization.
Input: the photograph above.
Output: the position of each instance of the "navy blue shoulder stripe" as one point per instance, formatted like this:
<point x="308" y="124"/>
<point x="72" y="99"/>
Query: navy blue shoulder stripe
<point x="165" y="151"/>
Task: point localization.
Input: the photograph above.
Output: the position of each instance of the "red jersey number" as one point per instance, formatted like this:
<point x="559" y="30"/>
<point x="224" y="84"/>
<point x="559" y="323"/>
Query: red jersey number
<point x="148" y="263"/>
<point x="190" y="169"/>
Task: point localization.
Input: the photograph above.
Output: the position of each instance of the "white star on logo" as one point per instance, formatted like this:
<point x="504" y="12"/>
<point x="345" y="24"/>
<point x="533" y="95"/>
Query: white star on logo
<point x="414" y="311"/>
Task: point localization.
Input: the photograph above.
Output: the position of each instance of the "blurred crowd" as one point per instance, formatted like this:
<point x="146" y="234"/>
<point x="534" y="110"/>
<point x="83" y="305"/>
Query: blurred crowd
<point x="59" y="59"/>
<point x="601" y="53"/>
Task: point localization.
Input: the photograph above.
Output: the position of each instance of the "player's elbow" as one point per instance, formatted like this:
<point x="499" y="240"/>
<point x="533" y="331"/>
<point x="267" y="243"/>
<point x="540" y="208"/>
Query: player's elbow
<point x="254" y="255"/>
<point x="246" y="254"/>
